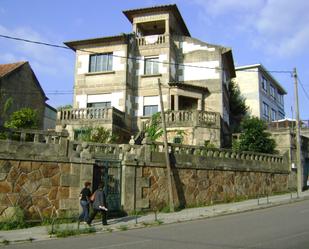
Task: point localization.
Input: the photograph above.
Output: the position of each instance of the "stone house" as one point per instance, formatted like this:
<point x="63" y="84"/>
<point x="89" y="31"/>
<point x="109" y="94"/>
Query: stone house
<point x="264" y="94"/>
<point x="20" y="87"/>
<point x="116" y="79"/>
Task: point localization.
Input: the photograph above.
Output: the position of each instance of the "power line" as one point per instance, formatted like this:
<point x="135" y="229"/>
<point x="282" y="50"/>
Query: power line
<point x="133" y="58"/>
<point x="301" y="84"/>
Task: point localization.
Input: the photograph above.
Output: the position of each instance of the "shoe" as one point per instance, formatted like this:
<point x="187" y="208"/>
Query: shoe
<point x="89" y="224"/>
<point x="105" y="224"/>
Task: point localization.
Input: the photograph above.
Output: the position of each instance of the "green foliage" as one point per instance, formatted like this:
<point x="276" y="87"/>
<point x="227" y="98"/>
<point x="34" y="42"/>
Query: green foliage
<point x="64" y="107"/>
<point x="15" y="222"/>
<point x="209" y="145"/>
<point x="95" y="135"/>
<point x="254" y="137"/>
<point x="238" y="107"/>
<point x="179" y="136"/>
<point x="123" y="227"/>
<point x="25" y="118"/>
<point x="154" y="130"/>
<point x="62" y="233"/>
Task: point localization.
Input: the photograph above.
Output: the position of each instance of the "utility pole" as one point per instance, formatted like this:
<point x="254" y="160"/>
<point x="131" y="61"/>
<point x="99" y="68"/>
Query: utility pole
<point x="298" y="144"/>
<point x="167" y="158"/>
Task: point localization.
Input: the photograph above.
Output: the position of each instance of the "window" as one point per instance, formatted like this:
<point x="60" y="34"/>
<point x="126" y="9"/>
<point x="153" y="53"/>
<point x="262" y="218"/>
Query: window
<point x="280" y="98"/>
<point x="101" y="62"/>
<point x="100" y="104"/>
<point x="273" y="115"/>
<point x="272" y="92"/>
<point x="264" y="84"/>
<point x="150" y="110"/>
<point x="151" y="65"/>
<point x="265" y="111"/>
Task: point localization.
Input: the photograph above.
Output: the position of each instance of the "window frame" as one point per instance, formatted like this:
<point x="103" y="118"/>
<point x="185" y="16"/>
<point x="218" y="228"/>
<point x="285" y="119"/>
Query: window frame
<point x="264" y="84"/>
<point x="272" y="91"/>
<point x="104" y="66"/>
<point x="273" y="114"/>
<point x="265" y="110"/>
<point x="154" y="62"/>
<point x="105" y="104"/>
<point x="152" y="112"/>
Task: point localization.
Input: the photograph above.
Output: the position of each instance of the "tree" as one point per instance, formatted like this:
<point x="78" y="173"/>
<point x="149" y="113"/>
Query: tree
<point x="154" y="129"/>
<point x="25" y="118"/>
<point x="68" y="106"/>
<point x="238" y="107"/>
<point x="254" y="137"/>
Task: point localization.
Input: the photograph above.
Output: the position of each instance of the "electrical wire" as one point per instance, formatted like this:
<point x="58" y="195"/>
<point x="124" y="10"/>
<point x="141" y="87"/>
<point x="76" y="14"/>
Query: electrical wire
<point x="133" y="58"/>
<point x="302" y="86"/>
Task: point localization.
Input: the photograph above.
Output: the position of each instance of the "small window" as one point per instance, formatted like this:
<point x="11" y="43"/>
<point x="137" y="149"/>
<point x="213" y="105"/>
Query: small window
<point x="101" y="62"/>
<point x="273" y="115"/>
<point x="150" y="110"/>
<point x="99" y="104"/>
<point x="280" y="98"/>
<point x="272" y="92"/>
<point x="264" y="84"/>
<point x="280" y="115"/>
<point x="265" y="111"/>
<point x="151" y="66"/>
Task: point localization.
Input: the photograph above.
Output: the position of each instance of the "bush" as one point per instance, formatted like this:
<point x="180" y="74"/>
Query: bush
<point x="25" y="118"/>
<point x="254" y="137"/>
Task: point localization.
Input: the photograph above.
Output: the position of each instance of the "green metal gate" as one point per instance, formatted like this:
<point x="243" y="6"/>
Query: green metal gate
<point x="109" y="172"/>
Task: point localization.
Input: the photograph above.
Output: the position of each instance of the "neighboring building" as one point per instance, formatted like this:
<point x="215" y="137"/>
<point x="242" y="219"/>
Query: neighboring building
<point x="264" y="94"/>
<point x="19" y="88"/>
<point x="50" y="117"/>
<point x="116" y="79"/>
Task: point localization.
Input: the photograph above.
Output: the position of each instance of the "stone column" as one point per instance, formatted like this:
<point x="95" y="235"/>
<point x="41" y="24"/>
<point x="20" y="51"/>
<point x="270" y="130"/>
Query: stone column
<point x="199" y="104"/>
<point x="176" y="102"/>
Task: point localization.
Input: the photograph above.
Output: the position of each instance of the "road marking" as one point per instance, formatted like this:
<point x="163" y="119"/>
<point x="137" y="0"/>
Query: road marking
<point x="121" y="244"/>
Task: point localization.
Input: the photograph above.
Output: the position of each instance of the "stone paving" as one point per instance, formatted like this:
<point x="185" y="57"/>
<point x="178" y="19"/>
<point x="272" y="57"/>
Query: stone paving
<point x="152" y="219"/>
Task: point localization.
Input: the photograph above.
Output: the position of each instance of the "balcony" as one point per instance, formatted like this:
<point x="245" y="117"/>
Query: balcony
<point x="189" y="118"/>
<point x="152" y="40"/>
<point x="85" y="116"/>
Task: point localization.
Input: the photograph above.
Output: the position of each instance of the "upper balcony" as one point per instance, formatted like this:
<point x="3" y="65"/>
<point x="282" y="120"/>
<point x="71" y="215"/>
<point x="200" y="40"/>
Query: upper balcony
<point x="152" y="40"/>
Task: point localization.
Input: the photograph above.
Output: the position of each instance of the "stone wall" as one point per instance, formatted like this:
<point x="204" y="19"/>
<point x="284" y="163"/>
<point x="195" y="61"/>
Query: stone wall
<point x="45" y="176"/>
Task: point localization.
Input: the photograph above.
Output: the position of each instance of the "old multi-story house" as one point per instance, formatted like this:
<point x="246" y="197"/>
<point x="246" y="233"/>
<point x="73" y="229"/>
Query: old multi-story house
<point x="263" y="93"/>
<point x="116" y="79"/>
<point x="20" y="88"/>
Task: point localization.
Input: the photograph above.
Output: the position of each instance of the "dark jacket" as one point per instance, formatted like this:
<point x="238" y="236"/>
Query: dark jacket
<point x="99" y="199"/>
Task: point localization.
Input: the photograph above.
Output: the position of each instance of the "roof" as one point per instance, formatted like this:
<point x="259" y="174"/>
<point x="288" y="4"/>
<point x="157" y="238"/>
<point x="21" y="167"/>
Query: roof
<point x="265" y="71"/>
<point x="188" y="86"/>
<point x="73" y="44"/>
<point x="170" y="8"/>
<point x="8" y="68"/>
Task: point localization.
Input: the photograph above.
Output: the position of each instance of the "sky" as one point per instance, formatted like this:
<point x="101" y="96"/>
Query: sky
<point x="272" y="32"/>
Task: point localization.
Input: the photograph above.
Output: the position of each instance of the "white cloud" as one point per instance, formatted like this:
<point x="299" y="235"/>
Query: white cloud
<point x="278" y="27"/>
<point x="47" y="60"/>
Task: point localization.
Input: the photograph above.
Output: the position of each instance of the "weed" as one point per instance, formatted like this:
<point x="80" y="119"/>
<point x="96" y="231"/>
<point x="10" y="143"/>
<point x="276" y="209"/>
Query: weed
<point x="123" y="227"/>
<point x="6" y="242"/>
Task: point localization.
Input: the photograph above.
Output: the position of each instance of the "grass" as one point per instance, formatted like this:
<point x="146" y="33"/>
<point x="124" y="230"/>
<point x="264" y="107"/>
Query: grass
<point x="62" y="233"/>
<point x="123" y="227"/>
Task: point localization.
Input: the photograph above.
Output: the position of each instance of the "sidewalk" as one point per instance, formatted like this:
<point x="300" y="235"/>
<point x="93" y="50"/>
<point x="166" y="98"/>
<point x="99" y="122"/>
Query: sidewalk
<point x="131" y="222"/>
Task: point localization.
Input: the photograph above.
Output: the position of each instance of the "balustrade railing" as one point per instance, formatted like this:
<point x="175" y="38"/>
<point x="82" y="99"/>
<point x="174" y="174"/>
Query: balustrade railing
<point x="110" y="115"/>
<point x="35" y="136"/>
<point x="152" y="40"/>
<point x="216" y="153"/>
<point x="192" y="118"/>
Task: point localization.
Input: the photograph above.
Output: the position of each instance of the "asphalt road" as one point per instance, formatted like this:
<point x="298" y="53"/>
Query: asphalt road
<point x="284" y="227"/>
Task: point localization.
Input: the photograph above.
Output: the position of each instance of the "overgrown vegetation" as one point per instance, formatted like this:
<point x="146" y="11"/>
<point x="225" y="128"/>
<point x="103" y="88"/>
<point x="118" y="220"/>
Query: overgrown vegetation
<point x="95" y="135"/>
<point x="254" y="137"/>
<point x="238" y="107"/>
<point x="154" y="129"/>
<point x="25" y="118"/>
<point x="66" y="232"/>
<point x="17" y="221"/>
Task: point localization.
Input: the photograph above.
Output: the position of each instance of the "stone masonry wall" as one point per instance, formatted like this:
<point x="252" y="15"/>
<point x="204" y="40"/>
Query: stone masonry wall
<point x="41" y="189"/>
<point x="195" y="187"/>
